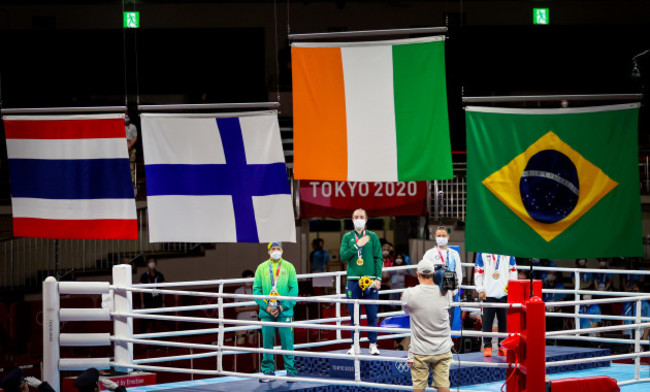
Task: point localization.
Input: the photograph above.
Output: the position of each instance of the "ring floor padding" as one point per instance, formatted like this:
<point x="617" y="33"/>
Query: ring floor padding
<point x="621" y="372"/>
<point x="400" y="374"/>
<point x="397" y="374"/>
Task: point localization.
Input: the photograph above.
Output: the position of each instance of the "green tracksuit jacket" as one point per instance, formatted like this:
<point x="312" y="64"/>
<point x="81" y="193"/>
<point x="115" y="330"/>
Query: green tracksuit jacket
<point x="287" y="285"/>
<point x="373" y="261"/>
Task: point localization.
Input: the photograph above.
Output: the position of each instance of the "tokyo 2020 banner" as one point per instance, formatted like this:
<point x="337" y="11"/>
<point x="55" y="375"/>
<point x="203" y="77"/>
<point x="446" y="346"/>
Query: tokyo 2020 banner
<point x="337" y="199"/>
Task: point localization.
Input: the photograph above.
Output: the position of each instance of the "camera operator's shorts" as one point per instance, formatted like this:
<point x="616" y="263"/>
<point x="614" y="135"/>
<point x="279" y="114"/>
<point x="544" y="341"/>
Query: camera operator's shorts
<point x="439" y="365"/>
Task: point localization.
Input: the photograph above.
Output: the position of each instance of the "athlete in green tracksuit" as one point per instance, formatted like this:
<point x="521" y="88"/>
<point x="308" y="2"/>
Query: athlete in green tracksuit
<point x="361" y="250"/>
<point x="278" y="276"/>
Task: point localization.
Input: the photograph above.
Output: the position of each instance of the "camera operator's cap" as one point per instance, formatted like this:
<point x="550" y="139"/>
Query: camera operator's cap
<point x="87" y="380"/>
<point x="274" y="243"/>
<point x="13" y="379"/>
<point x="425" y="266"/>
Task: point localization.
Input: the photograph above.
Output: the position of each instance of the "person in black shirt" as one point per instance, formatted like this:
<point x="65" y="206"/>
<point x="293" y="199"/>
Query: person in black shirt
<point x="151" y="300"/>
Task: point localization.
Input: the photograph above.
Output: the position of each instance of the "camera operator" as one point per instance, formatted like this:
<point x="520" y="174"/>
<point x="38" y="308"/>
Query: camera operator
<point x="428" y="307"/>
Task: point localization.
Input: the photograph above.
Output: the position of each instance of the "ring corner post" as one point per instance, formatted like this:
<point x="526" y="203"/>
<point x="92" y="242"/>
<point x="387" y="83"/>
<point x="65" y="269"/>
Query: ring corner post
<point x="122" y="325"/>
<point x="519" y="324"/>
<point x="51" y="329"/>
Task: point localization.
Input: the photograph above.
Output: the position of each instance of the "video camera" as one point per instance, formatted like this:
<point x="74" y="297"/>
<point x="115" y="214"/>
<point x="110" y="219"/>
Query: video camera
<point x="445" y="278"/>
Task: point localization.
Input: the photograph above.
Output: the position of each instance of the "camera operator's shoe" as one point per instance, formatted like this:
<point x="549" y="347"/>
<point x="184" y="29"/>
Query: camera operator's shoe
<point x="373" y="349"/>
<point x="487" y="352"/>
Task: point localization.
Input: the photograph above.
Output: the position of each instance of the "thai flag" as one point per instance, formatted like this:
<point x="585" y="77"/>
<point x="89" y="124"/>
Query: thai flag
<point x="216" y="179"/>
<point x="70" y="177"/>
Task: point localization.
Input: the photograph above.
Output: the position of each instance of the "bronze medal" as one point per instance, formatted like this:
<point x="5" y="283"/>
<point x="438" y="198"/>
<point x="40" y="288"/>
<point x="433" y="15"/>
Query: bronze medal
<point x="359" y="262"/>
<point x="495" y="275"/>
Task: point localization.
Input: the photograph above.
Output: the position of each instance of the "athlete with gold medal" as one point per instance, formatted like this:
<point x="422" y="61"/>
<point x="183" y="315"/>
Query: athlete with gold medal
<point x="361" y="250"/>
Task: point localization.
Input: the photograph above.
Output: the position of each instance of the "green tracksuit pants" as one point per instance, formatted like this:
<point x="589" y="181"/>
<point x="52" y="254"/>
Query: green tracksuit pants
<point x="286" y="340"/>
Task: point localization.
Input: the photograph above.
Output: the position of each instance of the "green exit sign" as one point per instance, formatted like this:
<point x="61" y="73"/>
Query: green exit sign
<point x="131" y="20"/>
<point x="541" y="16"/>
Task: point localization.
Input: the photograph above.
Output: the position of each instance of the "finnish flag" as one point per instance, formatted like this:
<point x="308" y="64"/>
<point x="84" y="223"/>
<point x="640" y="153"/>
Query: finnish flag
<point x="214" y="178"/>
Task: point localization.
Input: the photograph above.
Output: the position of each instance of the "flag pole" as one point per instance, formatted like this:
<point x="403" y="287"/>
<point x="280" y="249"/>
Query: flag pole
<point x="88" y="109"/>
<point x="367" y="33"/>
<point x="209" y="106"/>
<point x="546" y="98"/>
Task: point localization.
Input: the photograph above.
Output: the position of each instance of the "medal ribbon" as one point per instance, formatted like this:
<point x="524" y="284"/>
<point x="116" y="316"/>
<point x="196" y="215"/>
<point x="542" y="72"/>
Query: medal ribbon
<point x="360" y="250"/>
<point x="274" y="280"/>
<point x="497" y="260"/>
<point x="445" y="262"/>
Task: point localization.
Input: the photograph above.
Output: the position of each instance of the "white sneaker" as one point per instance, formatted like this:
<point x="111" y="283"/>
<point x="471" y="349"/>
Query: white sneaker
<point x="373" y="349"/>
<point x="265" y="380"/>
<point x="351" y="351"/>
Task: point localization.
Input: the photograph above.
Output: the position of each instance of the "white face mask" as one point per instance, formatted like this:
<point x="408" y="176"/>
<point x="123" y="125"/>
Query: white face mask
<point x="399" y="261"/>
<point x="385" y="253"/>
<point x="276" y="255"/>
<point x="586" y="297"/>
<point x="442" y="241"/>
<point x="359" y="224"/>
<point x="152" y="265"/>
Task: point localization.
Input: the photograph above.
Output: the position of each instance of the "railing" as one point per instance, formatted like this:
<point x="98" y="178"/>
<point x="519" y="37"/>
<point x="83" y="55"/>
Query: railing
<point x="27" y="261"/>
<point x="449" y="197"/>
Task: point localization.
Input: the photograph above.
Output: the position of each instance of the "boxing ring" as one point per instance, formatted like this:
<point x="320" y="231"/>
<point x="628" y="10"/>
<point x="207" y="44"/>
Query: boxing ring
<point x="526" y="365"/>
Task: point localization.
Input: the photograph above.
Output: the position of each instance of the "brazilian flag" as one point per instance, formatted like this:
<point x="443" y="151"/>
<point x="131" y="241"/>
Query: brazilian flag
<point x="554" y="183"/>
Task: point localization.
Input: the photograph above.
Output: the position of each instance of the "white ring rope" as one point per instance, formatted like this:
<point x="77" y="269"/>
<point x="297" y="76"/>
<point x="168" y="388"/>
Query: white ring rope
<point x="302" y="345"/>
<point x="559" y="304"/>
<point x="220" y="349"/>
<point x="597" y="359"/>
<point x="596" y="316"/>
<point x="629" y="382"/>
<point x="597" y="329"/>
<point x="217" y="282"/>
<point x="289" y="298"/>
<point x="595" y="339"/>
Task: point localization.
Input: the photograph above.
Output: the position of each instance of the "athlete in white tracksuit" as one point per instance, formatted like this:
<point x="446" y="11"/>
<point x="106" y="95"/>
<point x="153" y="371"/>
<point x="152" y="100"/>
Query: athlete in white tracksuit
<point x="491" y="275"/>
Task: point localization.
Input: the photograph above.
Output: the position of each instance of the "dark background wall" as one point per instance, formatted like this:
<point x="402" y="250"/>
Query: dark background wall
<point x="75" y="53"/>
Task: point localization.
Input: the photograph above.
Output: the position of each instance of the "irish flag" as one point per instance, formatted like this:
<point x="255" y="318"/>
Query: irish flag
<point x="371" y="111"/>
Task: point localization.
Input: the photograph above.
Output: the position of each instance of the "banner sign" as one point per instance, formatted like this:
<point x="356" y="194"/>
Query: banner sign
<point x="135" y="379"/>
<point x="337" y="199"/>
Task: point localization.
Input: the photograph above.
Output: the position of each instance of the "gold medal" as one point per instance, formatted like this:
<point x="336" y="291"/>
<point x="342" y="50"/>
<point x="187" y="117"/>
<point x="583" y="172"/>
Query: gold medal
<point x="495" y="275"/>
<point x="359" y="262"/>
